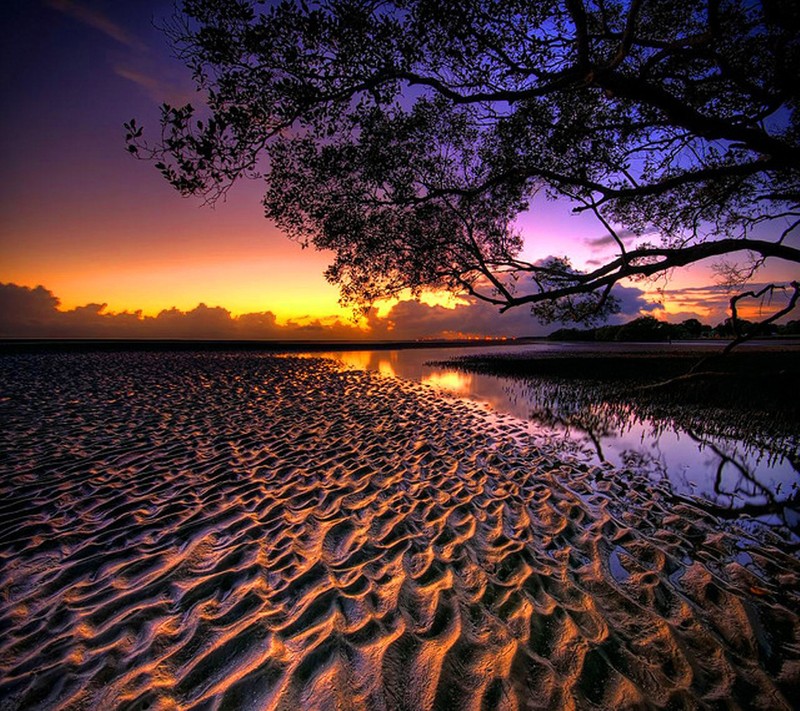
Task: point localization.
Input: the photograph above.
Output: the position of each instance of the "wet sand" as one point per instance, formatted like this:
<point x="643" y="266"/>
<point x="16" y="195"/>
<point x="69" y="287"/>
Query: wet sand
<point x="212" y="531"/>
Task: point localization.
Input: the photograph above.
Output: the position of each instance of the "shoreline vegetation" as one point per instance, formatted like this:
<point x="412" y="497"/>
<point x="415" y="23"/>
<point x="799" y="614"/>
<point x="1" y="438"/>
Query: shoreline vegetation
<point x="762" y="377"/>
<point x="686" y="381"/>
<point x="651" y="329"/>
<point x="749" y="394"/>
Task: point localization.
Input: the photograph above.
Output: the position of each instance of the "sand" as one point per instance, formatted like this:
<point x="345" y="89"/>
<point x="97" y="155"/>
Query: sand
<point x="212" y="531"/>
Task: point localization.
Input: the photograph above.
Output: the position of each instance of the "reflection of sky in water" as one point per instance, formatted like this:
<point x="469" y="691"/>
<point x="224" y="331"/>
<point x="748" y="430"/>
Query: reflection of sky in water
<point x="454" y="381"/>
<point x="722" y="470"/>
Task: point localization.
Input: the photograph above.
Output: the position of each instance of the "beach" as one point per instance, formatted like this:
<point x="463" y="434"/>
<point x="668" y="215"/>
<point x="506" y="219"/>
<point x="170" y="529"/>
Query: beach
<point x="249" y="531"/>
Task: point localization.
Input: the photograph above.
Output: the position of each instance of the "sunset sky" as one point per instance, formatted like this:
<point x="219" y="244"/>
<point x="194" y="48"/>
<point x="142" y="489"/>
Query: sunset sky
<point x="95" y="227"/>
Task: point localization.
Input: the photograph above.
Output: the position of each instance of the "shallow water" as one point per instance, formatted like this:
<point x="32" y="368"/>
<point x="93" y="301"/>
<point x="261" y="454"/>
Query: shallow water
<point x="729" y="473"/>
<point x="236" y="531"/>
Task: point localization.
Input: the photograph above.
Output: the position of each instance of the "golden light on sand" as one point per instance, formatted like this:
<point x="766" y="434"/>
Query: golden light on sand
<point x="301" y="536"/>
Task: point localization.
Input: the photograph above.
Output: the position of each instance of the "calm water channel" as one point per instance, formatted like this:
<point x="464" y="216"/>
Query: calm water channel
<point x="732" y="474"/>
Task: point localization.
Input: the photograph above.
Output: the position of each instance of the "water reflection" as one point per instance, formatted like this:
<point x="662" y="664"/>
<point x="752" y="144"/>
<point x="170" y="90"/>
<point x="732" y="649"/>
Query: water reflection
<point x="413" y="364"/>
<point x="758" y="476"/>
<point x="451" y="380"/>
<point x="358" y="360"/>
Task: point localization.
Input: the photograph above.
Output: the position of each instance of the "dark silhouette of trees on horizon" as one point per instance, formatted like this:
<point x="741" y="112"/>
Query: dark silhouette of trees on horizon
<point x="406" y="137"/>
<point x="650" y="329"/>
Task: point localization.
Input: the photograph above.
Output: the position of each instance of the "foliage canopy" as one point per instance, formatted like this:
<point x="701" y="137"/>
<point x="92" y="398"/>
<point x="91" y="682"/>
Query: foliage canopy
<point x="407" y="136"/>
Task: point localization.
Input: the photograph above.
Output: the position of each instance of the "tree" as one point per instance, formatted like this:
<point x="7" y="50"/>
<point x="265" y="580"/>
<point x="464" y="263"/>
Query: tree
<point x="407" y="136"/>
<point x="691" y="328"/>
<point x="644" y="328"/>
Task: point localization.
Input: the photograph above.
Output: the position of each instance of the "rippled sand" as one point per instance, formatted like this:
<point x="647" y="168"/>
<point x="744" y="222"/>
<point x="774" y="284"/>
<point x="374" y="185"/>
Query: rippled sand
<point x="242" y="532"/>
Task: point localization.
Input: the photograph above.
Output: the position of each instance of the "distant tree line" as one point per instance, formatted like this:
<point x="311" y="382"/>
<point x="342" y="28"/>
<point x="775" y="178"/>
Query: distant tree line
<point x="648" y="328"/>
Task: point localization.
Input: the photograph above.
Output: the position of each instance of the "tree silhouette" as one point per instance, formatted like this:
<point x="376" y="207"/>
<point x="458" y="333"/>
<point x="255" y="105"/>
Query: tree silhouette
<point x="407" y="136"/>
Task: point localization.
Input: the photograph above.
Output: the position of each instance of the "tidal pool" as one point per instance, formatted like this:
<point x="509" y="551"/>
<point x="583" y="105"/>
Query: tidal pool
<point x="758" y="477"/>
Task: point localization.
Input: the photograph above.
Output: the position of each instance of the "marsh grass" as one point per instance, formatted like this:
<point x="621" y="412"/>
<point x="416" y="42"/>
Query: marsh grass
<point x="751" y="395"/>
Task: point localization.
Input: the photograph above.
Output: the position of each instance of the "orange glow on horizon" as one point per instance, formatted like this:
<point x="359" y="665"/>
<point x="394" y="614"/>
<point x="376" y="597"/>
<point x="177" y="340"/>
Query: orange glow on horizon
<point x="290" y="289"/>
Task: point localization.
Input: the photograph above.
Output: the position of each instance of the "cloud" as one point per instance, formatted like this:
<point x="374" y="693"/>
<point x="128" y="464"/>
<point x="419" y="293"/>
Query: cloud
<point x="632" y="303"/>
<point x="711" y="303"/>
<point x="174" y="91"/>
<point x="411" y="319"/>
<point x="33" y="313"/>
<point x="23" y="309"/>
<point x="96" y="20"/>
<point x="162" y="81"/>
<point x="600" y="243"/>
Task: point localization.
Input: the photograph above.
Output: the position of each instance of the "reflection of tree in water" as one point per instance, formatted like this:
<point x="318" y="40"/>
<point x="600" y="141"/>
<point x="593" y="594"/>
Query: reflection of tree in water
<point x="646" y="462"/>
<point x="576" y="408"/>
<point x="748" y="495"/>
<point x="739" y="446"/>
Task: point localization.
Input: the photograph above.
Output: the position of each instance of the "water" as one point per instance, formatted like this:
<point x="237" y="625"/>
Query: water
<point x="733" y="476"/>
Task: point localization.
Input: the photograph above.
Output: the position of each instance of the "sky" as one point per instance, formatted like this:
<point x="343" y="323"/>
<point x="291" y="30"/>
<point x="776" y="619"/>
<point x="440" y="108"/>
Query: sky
<point x="94" y="243"/>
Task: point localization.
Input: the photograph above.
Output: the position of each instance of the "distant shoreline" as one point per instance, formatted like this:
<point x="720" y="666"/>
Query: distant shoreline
<point x="80" y="345"/>
<point x="87" y="345"/>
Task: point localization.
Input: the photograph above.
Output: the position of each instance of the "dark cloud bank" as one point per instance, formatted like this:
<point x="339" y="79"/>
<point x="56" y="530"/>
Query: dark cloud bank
<point x="33" y="313"/>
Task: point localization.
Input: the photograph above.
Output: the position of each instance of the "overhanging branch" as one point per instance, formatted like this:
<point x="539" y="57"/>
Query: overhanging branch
<point x="665" y="258"/>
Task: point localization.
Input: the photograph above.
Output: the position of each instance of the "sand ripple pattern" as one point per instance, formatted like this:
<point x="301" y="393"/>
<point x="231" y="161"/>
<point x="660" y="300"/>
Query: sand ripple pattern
<point x="235" y="531"/>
